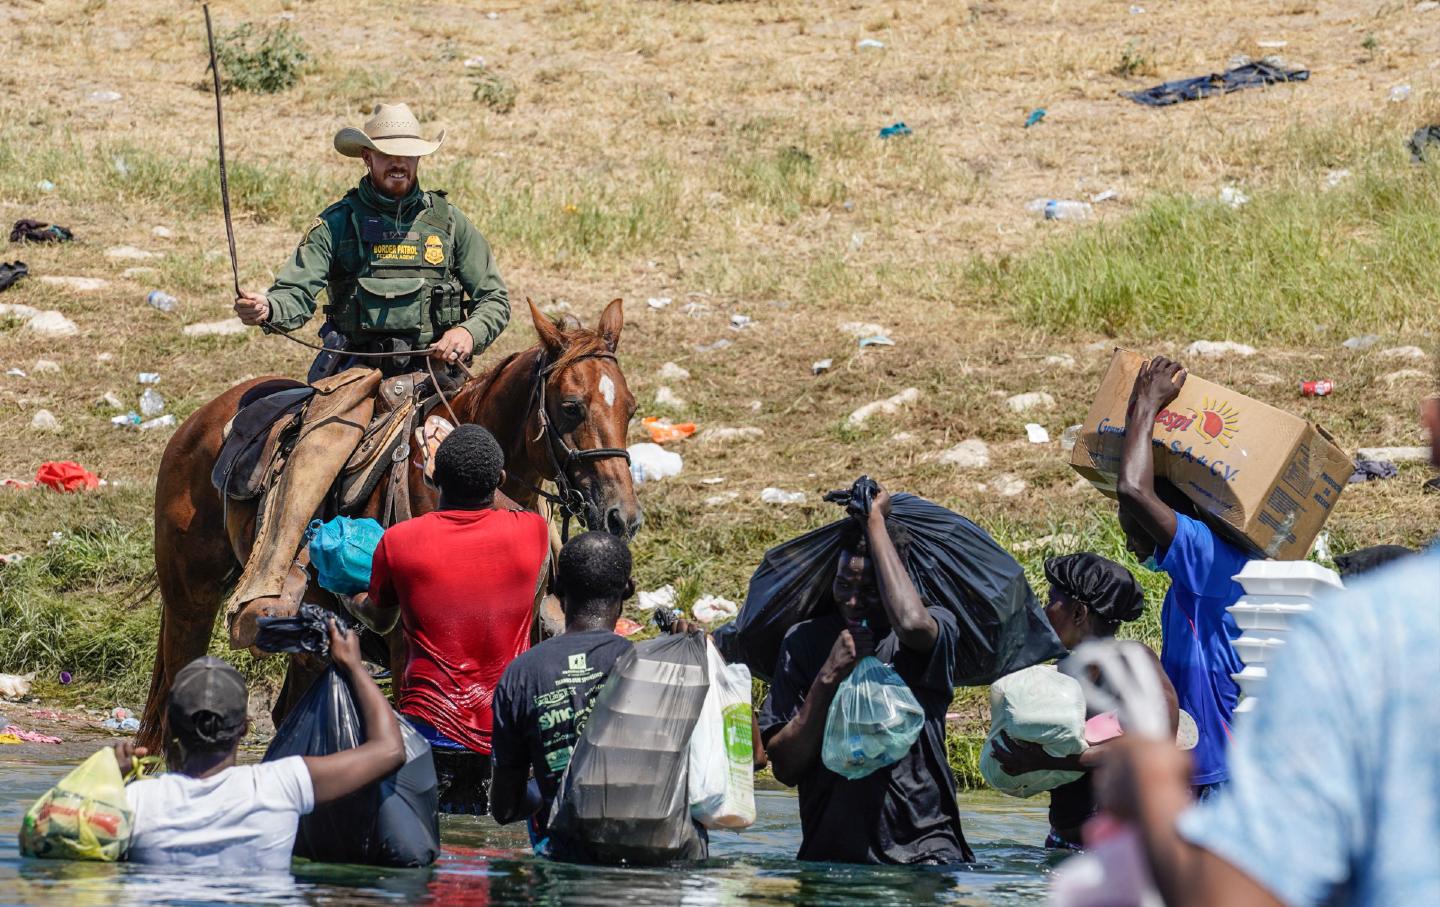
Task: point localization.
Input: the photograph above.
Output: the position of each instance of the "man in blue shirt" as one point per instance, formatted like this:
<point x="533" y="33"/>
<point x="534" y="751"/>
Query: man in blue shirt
<point x="1162" y="531"/>
<point x="1334" y="776"/>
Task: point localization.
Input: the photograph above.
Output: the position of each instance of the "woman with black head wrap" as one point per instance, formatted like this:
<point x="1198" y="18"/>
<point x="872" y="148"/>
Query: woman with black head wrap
<point x="1090" y="597"/>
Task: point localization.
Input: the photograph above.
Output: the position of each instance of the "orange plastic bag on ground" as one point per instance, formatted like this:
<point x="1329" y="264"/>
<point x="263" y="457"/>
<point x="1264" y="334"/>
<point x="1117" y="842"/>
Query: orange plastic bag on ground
<point x="662" y="431"/>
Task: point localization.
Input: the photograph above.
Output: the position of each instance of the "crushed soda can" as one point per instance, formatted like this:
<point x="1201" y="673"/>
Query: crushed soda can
<point x="1323" y="387"/>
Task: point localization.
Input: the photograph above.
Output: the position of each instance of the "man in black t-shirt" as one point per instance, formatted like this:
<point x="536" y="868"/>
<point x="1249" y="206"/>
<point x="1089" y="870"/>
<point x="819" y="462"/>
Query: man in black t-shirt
<point x="904" y="813"/>
<point x="545" y="695"/>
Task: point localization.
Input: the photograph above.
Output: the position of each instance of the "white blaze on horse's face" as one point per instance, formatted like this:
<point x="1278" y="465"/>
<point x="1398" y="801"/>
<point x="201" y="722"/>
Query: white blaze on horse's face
<point x="607" y="390"/>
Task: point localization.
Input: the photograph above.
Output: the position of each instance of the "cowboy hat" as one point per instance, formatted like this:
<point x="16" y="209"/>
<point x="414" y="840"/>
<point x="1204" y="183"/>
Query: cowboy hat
<point x="392" y="129"/>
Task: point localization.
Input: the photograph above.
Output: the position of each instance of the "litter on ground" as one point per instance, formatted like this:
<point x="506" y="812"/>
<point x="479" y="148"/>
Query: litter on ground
<point x="1020" y="403"/>
<point x="888" y="406"/>
<point x="711" y="608"/>
<point x="821" y="366"/>
<point x="672" y="372"/>
<point x="215" y="328"/>
<point x="663" y="431"/>
<point x="972" y="453"/>
<point x="664" y="597"/>
<point x="78" y="284"/>
<point x="876" y="340"/>
<point x="658" y="302"/>
<point x="1211" y="349"/>
<point x="1394" y="352"/>
<point x="651" y="463"/>
<point x="1036" y="433"/>
<point x="1361" y="342"/>
<point x="15" y="686"/>
<point x="66" y="476"/>
<point x="44" y="420"/>
<point x="727" y="435"/>
<point x="779" y="496"/>
<point x="1248" y="75"/>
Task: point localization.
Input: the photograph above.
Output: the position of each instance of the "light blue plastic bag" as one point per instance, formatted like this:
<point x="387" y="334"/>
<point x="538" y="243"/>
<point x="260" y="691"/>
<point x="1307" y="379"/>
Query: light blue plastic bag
<point x="874" y="719"/>
<point x="341" y="552"/>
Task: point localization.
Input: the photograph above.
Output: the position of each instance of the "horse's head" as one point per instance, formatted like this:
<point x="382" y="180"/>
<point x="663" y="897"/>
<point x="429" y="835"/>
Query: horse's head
<point x="587" y="407"/>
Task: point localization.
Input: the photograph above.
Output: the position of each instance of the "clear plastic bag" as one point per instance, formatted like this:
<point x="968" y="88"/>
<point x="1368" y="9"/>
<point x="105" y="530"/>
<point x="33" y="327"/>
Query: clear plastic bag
<point x="874" y="719"/>
<point x="722" y="750"/>
<point x="624" y="798"/>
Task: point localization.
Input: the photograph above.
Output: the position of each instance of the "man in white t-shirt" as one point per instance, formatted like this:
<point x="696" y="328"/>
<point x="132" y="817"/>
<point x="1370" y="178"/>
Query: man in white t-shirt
<point x="208" y="812"/>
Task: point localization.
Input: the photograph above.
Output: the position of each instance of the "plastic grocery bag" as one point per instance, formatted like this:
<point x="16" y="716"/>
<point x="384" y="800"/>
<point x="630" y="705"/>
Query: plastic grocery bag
<point x="1036" y="705"/>
<point x="722" y="749"/>
<point x="84" y="817"/>
<point x="393" y="822"/>
<point x="341" y="551"/>
<point x="624" y="796"/>
<point x="873" y="721"/>
<point x="953" y="563"/>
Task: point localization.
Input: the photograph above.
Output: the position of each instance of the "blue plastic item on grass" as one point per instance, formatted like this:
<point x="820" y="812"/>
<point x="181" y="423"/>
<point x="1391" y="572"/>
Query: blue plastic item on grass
<point x="874" y="719"/>
<point x="1035" y="116"/>
<point x="341" y="552"/>
<point x="897" y="129"/>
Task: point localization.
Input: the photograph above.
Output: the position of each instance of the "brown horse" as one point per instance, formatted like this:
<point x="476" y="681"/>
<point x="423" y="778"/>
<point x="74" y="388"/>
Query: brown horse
<point x="560" y="411"/>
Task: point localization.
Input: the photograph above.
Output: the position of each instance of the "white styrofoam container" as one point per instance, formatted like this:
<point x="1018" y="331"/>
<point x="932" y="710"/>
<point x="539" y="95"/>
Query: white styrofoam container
<point x="1287" y="578"/>
<point x="1271" y="618"/>
<point x="1252" y="679"/>
<point x="1246" y="705"/>
<point x="1257" y="649"/>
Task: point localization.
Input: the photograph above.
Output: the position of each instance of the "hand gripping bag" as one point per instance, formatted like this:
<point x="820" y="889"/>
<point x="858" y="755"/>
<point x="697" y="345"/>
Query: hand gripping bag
<point x="722" y="749"/>
<point x="873" y="721"/>
<point x="624" y="797"/>
<point x="393" y="822"/>
<point x="953" y="563"/>
<point x="84" y="817"/>
<point x="1036" y="705"/>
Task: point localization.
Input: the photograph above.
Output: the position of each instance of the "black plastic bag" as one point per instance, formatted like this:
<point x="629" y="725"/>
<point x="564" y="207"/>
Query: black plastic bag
<point x="624" y="797"/>
<point x="953" y="563"/>
<point x="393" y="822"/>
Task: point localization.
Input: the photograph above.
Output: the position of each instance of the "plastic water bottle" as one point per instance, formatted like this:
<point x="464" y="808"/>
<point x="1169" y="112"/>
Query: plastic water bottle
<point x="148" y="377"/>
<point x="162" y="300"/>
<point x="164" y="421"/>
<point x="1060" y="209"/>
<point x="151" y="403"/>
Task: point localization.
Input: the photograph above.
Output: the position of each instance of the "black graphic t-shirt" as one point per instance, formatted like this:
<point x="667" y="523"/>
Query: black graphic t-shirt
<point x="543" y="700"/>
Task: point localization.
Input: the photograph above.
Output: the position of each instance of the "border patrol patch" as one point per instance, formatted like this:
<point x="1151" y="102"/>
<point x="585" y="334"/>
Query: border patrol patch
<point x="434" y="250"/>
<point x="311" y="229"/>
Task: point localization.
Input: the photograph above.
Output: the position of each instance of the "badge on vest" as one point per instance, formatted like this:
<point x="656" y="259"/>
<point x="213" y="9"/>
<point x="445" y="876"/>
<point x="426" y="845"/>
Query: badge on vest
<point x="434" y="250"/>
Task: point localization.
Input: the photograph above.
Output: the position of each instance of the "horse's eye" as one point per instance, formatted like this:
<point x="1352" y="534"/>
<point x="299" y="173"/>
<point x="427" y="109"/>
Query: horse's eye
<point x="573" y="410"/>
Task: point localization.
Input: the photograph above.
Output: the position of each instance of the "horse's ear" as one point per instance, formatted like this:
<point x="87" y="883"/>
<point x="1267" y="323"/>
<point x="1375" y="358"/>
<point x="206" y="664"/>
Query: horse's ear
<point x="611" y="321"/>
<point x="550" y="336"/>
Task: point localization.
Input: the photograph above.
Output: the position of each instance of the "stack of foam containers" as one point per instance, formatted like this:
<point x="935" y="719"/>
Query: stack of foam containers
<point x="1276" y="592"/>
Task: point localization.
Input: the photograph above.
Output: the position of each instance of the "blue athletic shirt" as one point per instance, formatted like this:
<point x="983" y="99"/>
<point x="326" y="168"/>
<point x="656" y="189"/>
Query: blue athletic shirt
<point x="1196" y="631"/>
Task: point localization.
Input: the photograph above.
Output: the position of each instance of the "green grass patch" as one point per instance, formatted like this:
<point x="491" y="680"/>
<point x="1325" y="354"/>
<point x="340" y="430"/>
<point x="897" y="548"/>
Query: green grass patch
<point x="263" y="61"/>
<point x="1295" y="264"/>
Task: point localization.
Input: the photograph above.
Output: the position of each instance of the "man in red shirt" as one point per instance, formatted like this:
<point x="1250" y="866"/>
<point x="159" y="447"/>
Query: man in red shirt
<point x="463" y="581"/>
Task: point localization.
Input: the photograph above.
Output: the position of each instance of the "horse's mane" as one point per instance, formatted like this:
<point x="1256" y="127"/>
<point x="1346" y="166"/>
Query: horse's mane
<point x="579" y="343"/>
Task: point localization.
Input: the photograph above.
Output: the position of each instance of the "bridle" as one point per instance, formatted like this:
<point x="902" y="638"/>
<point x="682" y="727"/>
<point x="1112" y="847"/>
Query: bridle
<point x="564" y="455"/>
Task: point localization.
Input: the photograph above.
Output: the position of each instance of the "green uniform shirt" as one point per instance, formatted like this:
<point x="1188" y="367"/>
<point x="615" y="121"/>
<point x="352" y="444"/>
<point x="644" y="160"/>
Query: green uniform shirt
<point x="334" y="250"/>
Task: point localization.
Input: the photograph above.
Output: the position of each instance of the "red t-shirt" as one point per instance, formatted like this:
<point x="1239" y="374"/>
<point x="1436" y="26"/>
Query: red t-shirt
<point x="464" y="581"/>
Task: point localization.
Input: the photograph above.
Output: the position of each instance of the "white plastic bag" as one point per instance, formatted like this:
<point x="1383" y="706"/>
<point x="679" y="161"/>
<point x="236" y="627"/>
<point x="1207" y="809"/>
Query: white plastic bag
<point x="722" y="772"/>
<point x="1036" y="705"/>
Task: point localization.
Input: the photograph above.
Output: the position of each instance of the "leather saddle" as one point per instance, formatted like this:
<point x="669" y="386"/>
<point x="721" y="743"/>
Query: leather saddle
<point x="266" y="423"/>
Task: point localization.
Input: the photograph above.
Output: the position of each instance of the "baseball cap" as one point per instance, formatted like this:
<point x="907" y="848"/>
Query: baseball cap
<point x="208" y="702"/>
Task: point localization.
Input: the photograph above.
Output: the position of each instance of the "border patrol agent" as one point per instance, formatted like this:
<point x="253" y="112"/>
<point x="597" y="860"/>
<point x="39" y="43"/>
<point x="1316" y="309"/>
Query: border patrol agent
<point x="402" y="267"/>
<point x="403" y="270"/>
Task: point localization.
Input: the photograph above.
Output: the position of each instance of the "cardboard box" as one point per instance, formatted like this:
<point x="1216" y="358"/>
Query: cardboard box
<point x="1268" y="479"/>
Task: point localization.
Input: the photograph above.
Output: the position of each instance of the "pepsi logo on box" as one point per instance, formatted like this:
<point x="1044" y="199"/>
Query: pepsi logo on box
<point x="1265" y="478"/>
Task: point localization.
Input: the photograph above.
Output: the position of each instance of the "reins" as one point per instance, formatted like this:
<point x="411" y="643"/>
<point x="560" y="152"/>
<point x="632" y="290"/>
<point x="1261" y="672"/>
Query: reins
<point x="566" y="497"/>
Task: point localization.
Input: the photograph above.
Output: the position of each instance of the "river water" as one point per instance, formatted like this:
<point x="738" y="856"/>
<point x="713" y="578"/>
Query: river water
<point x="483" y="863"/>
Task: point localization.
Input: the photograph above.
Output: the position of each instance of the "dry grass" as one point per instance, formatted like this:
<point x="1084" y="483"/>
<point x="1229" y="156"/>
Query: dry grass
<point x="724" y="155"/>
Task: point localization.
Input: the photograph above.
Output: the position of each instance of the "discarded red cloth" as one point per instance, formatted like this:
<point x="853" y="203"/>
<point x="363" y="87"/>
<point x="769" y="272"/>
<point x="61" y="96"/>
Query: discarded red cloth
<point x="66" y="476"/>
